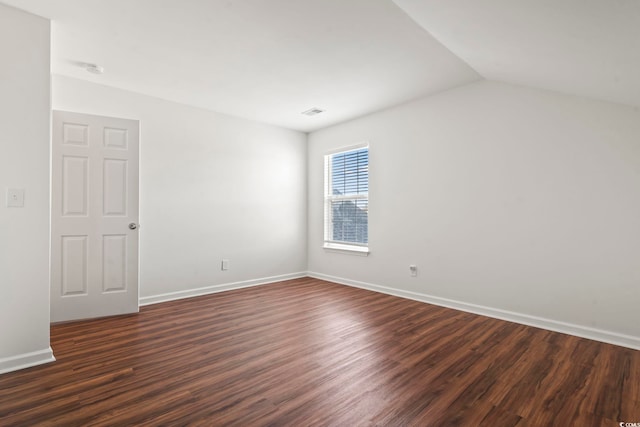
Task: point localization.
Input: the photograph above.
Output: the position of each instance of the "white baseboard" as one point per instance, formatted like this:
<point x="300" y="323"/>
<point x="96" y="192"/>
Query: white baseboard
<point x="525" y="319"/>
<point x="171" y="296"/>
<point x="26" y="360"/>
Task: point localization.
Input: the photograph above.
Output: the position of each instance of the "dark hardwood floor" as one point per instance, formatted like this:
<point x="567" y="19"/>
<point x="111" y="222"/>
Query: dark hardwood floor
<point x="307" y="352"/>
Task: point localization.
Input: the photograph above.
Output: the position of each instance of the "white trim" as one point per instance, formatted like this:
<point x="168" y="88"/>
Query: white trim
<point x="524" y="319"/>
<point x="171" y="296"/>
<point x="346" y="248"/>
<point x="26" y="360"/>
<point x="347" y="148"/>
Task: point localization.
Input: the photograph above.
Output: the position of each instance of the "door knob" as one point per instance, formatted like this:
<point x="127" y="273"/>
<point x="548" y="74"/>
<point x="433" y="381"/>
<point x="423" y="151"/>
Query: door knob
<point x="133" y="226"/>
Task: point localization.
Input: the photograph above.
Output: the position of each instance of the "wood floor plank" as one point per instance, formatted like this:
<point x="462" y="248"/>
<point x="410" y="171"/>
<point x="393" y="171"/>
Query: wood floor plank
<point x="307" y="352"/>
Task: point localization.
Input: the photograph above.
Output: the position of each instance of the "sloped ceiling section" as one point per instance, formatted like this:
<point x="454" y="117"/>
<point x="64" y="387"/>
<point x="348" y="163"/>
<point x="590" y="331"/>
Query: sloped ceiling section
<point x="263" y="60"/>
<point x="582" y="47"/>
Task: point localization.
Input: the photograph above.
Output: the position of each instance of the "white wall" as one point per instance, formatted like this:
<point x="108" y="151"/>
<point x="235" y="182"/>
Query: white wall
<point x="518" y="203"/>
<point x="211" y="186"/>
<point x="24" y="163"/>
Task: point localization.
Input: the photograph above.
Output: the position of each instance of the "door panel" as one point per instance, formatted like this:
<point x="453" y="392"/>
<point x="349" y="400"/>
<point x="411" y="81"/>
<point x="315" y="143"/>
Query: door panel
<point x="74" y="265"/>
<point x="94" y="253"/>
<point x="74" y="185"/>
<point x="115" y="187"/>
<point x="114" y="253"/>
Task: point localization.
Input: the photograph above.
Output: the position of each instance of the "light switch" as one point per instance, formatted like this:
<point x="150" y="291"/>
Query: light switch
<point x="15" y="197"/>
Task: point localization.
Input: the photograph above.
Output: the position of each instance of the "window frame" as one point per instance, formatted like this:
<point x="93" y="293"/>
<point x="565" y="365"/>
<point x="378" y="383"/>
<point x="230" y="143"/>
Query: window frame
<point x="329" y="197"/>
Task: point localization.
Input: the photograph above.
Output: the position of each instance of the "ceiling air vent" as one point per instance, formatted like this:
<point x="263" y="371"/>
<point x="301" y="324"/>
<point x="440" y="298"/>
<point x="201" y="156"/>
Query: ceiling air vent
<point x="312" y="112"/>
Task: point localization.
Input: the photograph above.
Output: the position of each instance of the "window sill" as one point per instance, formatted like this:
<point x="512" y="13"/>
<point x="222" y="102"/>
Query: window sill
<point x="347" y="249"/>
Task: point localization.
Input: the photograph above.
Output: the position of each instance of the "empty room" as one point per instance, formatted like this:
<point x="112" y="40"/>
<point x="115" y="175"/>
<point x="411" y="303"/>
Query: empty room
<point x="319" y="213"/>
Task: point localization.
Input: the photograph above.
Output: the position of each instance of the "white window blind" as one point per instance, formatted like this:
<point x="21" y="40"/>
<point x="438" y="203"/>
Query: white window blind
<point x="347" y="197"/>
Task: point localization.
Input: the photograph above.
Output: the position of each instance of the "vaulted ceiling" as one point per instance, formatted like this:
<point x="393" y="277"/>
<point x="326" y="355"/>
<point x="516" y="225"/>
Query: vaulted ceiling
<point x="589" y="48"/>
<point x="270" y="60"/>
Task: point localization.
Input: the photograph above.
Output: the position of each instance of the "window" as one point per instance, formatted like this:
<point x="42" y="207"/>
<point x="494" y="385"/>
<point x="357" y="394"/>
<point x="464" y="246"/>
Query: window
<point x="346" y="214"/>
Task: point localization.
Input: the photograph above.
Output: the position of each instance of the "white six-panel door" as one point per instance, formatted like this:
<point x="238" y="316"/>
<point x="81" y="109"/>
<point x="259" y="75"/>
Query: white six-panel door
<point x="94" y="216"/>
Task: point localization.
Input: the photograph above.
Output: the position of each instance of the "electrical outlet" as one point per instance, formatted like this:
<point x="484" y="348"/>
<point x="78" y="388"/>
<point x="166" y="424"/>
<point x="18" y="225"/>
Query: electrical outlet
<point x="225" y="264"/>
<point x="413" y="270"/>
